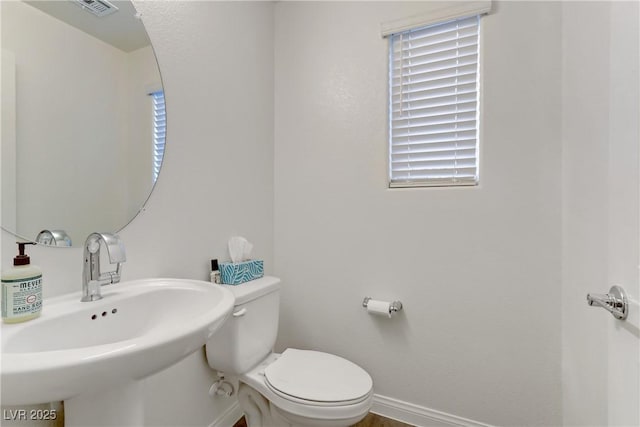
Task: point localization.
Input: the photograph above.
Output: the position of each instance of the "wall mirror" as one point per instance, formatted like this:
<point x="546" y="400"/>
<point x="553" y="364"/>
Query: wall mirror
<point x="83" y="119"/>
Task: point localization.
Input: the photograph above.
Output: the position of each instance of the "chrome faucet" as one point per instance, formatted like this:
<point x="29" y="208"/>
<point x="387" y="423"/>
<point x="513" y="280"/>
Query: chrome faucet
<point x="92" y="278"/>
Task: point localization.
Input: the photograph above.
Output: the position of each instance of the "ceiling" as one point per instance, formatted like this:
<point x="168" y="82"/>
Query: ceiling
<point x="121" y="29"/>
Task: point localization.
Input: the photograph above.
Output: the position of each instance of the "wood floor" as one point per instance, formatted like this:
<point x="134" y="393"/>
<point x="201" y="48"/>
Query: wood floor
<point x="374" y="420"/>
<point x="371" y="420"/>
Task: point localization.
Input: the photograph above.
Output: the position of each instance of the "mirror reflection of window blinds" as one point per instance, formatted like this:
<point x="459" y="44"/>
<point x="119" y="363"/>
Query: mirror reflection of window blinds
<point x="159" y="131"/>
<point x="433" y="105"/>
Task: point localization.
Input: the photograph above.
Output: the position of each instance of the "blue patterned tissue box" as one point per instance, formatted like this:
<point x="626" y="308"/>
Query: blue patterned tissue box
<point x="234" y="274"/>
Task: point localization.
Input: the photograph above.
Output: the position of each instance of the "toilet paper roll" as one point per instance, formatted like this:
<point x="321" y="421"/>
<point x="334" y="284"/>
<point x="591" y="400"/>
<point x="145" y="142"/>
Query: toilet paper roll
<point x="380" y="308"/>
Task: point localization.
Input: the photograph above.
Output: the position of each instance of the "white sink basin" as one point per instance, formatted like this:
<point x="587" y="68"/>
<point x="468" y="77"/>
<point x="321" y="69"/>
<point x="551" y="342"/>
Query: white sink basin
<point x="78" y="348"/>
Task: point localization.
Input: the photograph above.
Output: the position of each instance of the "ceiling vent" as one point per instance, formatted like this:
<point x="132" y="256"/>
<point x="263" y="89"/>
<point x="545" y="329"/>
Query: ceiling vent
<point x="97" y="7"/>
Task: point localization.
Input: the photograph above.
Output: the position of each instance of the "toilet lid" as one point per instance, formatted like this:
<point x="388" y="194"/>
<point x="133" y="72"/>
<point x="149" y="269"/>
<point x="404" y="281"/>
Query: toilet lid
<point x="318" y="377"/>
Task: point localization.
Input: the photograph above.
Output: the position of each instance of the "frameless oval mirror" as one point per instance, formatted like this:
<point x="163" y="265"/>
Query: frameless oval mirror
<point x="83" y="119"/>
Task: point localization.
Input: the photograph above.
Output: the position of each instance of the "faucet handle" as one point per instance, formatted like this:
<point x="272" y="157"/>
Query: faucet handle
<point x="115" y="248"/>
<point x="113" y="243"/>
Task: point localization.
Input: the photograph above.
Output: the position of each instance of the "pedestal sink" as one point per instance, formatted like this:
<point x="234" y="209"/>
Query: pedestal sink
<point x="92" y="355"/>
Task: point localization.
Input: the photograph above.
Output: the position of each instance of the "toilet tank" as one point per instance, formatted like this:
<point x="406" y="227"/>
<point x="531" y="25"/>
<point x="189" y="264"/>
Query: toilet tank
<point x="249" y="334"/>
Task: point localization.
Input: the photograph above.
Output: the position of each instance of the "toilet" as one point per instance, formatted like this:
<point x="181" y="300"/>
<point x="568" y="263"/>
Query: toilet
<point x="294" y="388"/>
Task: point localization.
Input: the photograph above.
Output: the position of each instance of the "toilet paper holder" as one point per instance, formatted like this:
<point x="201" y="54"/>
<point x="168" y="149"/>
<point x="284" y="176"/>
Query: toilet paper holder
<point x="394" y="306"/>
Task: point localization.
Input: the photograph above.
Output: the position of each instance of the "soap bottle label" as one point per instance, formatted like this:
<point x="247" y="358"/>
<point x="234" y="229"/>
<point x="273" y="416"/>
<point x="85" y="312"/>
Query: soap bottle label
<point x="21" y="297"/>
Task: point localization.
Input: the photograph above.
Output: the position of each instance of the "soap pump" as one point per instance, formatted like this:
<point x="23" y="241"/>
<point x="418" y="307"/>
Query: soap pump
<point x="21" y="289"/>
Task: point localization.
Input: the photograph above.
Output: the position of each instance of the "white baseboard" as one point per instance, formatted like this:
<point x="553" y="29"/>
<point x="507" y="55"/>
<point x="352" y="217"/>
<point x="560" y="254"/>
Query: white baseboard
<point x="384" y="406"/>
<point x="229" y="417"/>
<point x="418" y="415"/>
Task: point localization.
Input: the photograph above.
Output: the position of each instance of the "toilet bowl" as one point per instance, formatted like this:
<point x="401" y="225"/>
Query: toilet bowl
<point x="294" y="388"/>
<point x="339" y="395"/>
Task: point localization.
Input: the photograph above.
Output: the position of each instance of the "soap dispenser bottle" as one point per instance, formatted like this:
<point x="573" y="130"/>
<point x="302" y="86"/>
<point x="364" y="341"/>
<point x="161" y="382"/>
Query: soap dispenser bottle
<point x="21" y="289"/>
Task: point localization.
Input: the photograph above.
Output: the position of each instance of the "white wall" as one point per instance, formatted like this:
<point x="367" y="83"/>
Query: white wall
<point x="478" y="269"/>
<point x="623" y="341"/>
<point x="585" y="156"/>
<point x="601" y="233"/>
<point x="216" y="181"/>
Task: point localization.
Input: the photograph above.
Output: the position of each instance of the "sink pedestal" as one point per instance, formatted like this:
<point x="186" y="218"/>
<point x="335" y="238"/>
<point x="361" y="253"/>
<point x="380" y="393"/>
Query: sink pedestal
<point x="115" y="406"/>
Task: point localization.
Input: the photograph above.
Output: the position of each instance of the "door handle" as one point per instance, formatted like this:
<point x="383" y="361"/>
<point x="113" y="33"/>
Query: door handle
<point x="615" y="302"/>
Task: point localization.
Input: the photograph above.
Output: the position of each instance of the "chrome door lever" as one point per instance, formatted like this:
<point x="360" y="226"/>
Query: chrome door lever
<point x="615" y="302"/>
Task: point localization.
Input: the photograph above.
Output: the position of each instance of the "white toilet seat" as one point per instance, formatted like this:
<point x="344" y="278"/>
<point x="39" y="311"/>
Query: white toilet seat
<point x="317" y="378"/>
<point x="312" y="402"/>
<point x="289" y="405"/>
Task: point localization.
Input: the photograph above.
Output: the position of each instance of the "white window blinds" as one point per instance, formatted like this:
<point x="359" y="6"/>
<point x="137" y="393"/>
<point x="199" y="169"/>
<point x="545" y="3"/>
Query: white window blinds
<point x="434" y="105"/>
<point x="159" y="131"/>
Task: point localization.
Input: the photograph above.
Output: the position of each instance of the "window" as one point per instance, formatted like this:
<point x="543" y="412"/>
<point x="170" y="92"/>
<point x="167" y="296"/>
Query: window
<point x="433" y="107"/>
<point x="159" y="131"/>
